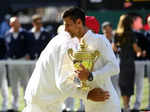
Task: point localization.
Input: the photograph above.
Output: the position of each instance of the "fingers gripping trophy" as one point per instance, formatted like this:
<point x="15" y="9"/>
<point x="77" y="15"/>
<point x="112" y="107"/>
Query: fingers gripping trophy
<point x="85" y="57"/>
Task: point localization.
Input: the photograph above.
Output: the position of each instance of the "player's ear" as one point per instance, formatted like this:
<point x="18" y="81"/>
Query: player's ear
<point x="78" y="21"/>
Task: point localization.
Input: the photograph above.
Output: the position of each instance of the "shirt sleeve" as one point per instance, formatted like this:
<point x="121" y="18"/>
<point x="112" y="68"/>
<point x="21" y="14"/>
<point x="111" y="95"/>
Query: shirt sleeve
<point x="111" y="66"/>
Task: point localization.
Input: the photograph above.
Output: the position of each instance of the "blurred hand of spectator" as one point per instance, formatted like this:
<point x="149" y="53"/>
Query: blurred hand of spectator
<point x="115" y="49"/>
<point x="139" y="54"/>
<point x="144" y="53"/>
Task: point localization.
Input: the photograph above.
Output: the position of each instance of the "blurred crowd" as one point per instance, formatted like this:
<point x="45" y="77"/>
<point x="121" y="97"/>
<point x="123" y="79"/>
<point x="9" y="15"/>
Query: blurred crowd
<point x="16" y="43"/>
<point x="130" y="42"/>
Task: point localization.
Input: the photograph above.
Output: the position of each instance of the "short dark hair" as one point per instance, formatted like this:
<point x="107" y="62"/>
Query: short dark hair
<point x="75" y="13"/>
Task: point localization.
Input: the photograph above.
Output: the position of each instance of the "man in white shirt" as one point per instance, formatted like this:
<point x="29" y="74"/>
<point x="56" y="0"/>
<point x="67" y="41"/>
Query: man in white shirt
<point x="50" y="82"/>
<point x="109" y="34"/>
<point x="92" y="24"/>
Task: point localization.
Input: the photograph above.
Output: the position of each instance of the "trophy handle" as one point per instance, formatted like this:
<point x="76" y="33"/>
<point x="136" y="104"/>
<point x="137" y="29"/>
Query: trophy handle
<point x="96" y="54"/>
<point x="70" y="54"/>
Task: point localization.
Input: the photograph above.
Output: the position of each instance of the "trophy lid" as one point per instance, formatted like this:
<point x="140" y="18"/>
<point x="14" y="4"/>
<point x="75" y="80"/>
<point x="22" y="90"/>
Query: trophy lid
<point x="83" y="45"/>
<point x="84" y="53"/>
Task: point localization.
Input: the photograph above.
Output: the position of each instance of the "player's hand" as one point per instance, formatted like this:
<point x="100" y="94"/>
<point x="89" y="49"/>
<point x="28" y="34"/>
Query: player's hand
<point x="98" y="95"/>
<point x="83" y="73"/>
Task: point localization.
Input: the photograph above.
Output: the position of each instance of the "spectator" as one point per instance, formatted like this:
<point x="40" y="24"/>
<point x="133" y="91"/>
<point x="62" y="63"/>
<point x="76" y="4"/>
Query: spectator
<point x="3" y="78"/>
<point x="38" y="41"/>
<point x="108" y="33"/>
<point x="147" y="25"/>
<point x="40" y="37"/>
<point x="4" y="26"/>
<point x="147" y="34"/>
<point x="125" y="39"/>
<point x="107" y="30"/>
<point x="92" y="23"/>
<point x="140" y="59"/>
<point x="16" y="50"/>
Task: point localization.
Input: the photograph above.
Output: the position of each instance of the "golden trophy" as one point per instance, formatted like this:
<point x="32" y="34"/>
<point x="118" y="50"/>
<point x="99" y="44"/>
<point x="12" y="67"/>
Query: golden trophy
<point x="86" y="57"/>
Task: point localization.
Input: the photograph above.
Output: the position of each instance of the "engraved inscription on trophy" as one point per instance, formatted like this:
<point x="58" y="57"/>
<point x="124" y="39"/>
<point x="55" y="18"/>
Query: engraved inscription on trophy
<point x="85" y="57"/>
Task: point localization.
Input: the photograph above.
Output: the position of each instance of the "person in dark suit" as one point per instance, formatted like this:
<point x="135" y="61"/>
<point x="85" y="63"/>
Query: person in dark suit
<point x="140" y="59"/>
<point x="40" y="37"/>
<point x="16" y="43"/>
<point x="38" y="41"/>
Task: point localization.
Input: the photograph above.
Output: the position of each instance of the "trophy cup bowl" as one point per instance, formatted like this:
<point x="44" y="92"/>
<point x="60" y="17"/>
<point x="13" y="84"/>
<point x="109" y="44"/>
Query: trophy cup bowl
<point x="85" y="57"/>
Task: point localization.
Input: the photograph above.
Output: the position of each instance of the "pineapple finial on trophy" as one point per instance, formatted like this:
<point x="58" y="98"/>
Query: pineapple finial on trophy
<point x="83" y="45"/>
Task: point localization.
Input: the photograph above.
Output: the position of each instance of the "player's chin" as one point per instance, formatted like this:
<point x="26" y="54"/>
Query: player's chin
<point x="72" y="36"/>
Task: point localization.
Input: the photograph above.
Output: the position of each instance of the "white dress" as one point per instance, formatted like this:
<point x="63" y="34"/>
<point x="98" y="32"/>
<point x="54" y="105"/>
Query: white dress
<point x="50" y="82"/>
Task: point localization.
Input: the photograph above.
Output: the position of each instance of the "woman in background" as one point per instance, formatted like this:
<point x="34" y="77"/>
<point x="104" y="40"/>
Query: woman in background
<point x="125" y="40"/>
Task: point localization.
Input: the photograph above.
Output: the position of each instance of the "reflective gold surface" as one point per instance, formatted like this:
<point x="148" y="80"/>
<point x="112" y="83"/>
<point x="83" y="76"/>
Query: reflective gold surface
<point x="85" y="57"/>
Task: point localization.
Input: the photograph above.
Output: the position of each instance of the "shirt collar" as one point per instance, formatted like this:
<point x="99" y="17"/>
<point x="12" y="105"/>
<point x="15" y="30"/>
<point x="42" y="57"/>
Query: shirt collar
<point x="138" y="31"/>
<point x="12" y="31"/>
<point x="87" y="35"/>
<point x="33" y="29"/>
